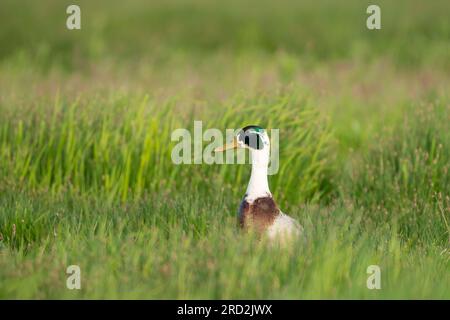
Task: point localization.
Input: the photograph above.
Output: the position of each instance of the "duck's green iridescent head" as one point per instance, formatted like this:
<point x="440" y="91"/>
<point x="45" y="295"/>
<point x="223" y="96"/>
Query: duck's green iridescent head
<point x="251" y="137"/>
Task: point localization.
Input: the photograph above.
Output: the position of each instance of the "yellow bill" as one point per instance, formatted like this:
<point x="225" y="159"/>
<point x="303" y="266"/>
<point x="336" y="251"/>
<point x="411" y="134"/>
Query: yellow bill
<point x="231" y="145"/>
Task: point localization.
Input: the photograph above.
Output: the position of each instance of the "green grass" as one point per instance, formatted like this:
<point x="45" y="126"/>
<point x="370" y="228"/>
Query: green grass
<point x="86" y="176"/>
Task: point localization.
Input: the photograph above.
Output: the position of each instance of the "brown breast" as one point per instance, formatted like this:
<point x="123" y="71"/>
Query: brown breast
<point x="258" y="215"/>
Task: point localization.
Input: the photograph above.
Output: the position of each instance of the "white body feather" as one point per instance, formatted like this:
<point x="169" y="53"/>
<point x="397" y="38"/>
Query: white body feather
<point x="284" y="227"/>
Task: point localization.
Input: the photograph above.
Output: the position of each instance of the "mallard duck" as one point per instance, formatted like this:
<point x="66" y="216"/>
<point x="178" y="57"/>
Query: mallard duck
<point x="258" y="210"/>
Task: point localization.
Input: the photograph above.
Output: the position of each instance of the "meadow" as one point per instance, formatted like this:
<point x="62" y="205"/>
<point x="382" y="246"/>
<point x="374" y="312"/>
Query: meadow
<point x="86" y="176"/>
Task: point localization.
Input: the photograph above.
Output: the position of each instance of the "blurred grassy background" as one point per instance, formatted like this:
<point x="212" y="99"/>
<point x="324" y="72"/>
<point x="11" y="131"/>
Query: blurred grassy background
<point x="413" y="32"/>
<point x="85" y="170"/>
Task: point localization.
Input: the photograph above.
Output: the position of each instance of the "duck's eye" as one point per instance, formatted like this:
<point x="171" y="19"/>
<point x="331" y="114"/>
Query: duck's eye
<point x="252" y="140"/>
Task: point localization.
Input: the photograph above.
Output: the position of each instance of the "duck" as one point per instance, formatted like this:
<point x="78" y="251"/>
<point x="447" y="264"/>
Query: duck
<point x="258" y="210"/>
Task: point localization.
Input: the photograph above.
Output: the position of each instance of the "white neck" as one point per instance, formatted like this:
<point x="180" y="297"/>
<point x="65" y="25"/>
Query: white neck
<point x="258" y="185"/>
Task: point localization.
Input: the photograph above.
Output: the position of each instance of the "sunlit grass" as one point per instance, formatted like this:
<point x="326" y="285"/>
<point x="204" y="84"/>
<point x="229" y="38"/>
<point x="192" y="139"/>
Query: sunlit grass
<point x="86" y="176"/>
